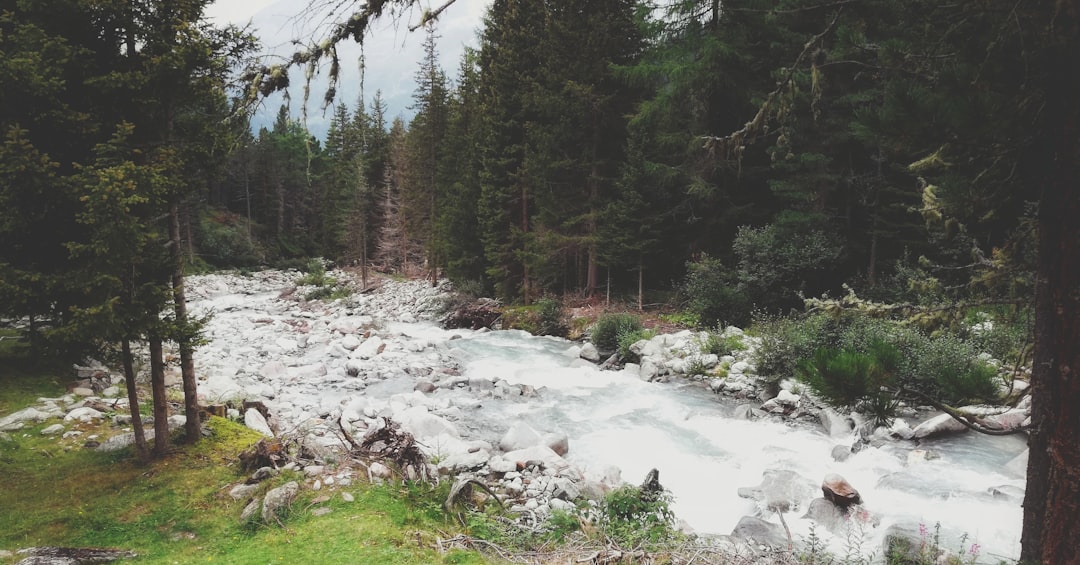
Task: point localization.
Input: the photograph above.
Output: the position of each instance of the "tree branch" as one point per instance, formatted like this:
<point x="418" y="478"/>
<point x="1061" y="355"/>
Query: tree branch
<point x="960" y="416"/>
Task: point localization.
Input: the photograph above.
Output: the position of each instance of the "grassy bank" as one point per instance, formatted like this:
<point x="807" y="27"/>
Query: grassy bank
<point x="177" y="509"/>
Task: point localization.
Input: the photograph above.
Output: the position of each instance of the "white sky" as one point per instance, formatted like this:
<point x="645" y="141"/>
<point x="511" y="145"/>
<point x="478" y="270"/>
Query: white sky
<point x="391" y="52"/>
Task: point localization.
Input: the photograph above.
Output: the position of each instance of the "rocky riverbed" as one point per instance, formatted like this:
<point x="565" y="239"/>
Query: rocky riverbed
<point x="539" y="422"/>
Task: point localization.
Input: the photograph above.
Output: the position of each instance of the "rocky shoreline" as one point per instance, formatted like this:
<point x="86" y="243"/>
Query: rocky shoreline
<point x="352" y="364"/>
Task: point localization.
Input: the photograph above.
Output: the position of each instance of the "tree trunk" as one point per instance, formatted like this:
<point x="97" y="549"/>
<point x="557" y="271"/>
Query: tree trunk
<point x="1051" y="531"/>
<point x="161" y="404"/>
<point x="641" y="284"/>
<point x="192" y="427"/>
<point x="133" y="401"/>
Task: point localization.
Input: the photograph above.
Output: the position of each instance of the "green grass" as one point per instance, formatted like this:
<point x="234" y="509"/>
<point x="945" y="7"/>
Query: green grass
<point x="23" y="379"/>
<point x="177" y="509"/>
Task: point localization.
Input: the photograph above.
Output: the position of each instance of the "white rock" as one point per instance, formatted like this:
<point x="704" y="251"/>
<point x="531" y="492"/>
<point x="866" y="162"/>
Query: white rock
<point x="787" y="398"/>
<point x="53" y="430"/>
<point x="739" y="368"/>
<point x="255" y="420"/>
<point x="519" y="436"/>
<point x="84" y="414"/>
<point x="82" y="391"/>
<point x="15" y="420"/>
<point x="558" y="442"/>
<point x="938" y="425"/>
<point x="111" y="392"/>
<point x="351" y="342"/>
<point x="589" y="352"/>
<point x="370" y="348"/>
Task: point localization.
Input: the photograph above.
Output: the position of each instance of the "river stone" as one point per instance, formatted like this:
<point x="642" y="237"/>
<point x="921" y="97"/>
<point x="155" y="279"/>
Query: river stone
<point x="277" y="499"/>
<point x="838" y="491"/>
<point x="761" y="532"/>
<point x="273" y="370"/>
<point x="519" y="436"/>
<point x="565" y="489"/>
<point x="464" y="461"/>
<point x="536" y="455"/>
<point x="589" y="353"/>
<point x="350" y="342"/>
<point x="827" y="514"/>
<point x="841" y="453"/>
<point x="558" y="442"/>
<point x="371" y="347"/>
<point x="941" y="424"/>
<point x="835" y="425"/>
<point x="788" y="398"/>
<point x="1018" y="465"/>
<point x="780" y="490"/>
<point x="82" y="391"/>
<point x="255" y="420"/>
<point x="321" y="511"/>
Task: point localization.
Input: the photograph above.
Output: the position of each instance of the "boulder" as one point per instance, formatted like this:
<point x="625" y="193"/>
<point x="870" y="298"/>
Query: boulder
<point x="590" y="353"/>
<point x="277" y="500"/>
<point x="838" y="491"/>
<point x="835" y="425"/>
<point x="16" y="420"/>
<point x="541" y="455"/>
<point x="256" y="421"/>
<point x="780" y="490"/>
<point x="826" y="514"/>
<point x="941" y="424"/>
<point x="371" y="347"/>
<point x="756" y="530"/>
<point x="841" y="453"/>
<point x="462" y="461"/>
<point x="350" y="342"/>
<point x="84" y="414"/>
<point x="788" y="398"/>
<point x="53" y="430"/>
<point x="557" y="441"/>
<point x="519" y="436"/>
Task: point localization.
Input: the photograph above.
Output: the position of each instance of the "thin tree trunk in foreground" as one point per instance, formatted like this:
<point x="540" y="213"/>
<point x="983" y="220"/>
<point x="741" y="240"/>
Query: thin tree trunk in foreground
<point x="133" y="401"/>
<point x="192" y="428"/>
<point x="161" y="404"/>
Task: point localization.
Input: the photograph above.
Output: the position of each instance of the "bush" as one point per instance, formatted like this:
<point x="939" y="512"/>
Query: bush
<point x="552" y="318"/>
<point x="718" y="344"/>
<point x="851" y="378"/>
<point x="628" y="338"/>
<point x="632" y="516"/>
<point x="945" y="367"/>
<point x="607" y="329"/>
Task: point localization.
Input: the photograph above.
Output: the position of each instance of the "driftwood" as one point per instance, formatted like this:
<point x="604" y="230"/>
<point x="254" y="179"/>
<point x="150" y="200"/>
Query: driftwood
<point x="391" y="444"/>
<point x="461" y="494"/>
<point x="72" y="555"/>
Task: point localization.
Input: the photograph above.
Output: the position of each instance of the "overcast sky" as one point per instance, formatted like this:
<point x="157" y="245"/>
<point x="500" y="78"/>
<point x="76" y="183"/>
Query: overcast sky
<point x="391" y="52"/>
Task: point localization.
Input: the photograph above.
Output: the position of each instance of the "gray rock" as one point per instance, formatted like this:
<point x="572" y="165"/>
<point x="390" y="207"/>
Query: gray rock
<point x="780" y="490"/>
<point x="835" y="425"/>
<point x="464" y="461"/>
<point x="841" y="453"/>
<point x="261" y="474"/>
<point x="242" y="491"/>
<point x="250" y="510"/>
<point x="827" y="514"/>
<point x="425" y="386"/>
<point x="322" y="511"/>
<point x="16" y="420"/>
<point x="941" y="424"/>
<point x="347" y="497"/>
<point x="1007" y="492"/>
<point x="565" y="489"/>
<point x="589" y="352"/>
<point x="761" y="532"/>
<point x="53" y="430"/>
<point x="277" y="500"/>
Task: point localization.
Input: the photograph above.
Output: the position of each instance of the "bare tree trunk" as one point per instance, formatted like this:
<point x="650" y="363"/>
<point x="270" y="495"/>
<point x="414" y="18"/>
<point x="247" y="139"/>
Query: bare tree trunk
<point x="641" y="284"/>
<point x="161" y="404"/>
<point x="192" y="427"/>
<point x="133" y="401"/>
<point x="1051" y="531"/>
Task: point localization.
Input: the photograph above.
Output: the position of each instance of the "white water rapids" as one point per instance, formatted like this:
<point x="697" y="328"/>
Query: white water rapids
<point x="262" y="347"/>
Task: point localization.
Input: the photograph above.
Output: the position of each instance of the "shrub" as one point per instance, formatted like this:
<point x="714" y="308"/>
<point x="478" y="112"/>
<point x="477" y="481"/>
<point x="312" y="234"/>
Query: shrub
<point x="633" y="516"/>
<point x="718" y="344"/>
<point x="607" y="329"/>
<point x="552" y="318"/>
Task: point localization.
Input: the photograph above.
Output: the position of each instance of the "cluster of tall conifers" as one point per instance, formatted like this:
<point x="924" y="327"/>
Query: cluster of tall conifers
<point x="587" y="143"/>
<point x="114" y="118"/>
